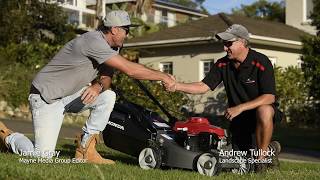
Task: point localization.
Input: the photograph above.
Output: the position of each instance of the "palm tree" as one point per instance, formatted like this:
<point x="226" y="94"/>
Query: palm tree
<point x="99" y="15"/>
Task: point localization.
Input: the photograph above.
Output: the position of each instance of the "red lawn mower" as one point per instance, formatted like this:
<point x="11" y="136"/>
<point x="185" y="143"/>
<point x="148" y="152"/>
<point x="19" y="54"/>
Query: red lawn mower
<point x="192" y="144"/>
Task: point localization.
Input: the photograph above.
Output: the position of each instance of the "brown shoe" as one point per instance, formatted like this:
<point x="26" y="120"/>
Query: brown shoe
<point x="276" y="147"/>
<point x="89" y="152"/>
<point x="4" y="132"/>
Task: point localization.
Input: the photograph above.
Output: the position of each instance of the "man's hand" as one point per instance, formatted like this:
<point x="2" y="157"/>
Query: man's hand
<point x="170" y="85"/>
<point x="91" y="94"/>
<point x="233" y="112"/>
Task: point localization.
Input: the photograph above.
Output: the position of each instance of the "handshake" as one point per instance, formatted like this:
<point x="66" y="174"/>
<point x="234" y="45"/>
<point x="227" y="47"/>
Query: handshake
<point x="170" y="83"/>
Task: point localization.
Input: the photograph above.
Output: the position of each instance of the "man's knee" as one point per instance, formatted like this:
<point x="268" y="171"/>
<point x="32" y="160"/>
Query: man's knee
<point x="265" y="114"/>
<point x="108" y="96"/>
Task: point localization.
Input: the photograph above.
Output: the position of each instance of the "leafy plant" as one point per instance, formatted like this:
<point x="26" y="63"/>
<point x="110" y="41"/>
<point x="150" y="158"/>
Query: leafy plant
<point x="293" y="97"/>
<point x="171" y="101"/>
<point x="18" y="65"/>
<point x="311" y="65"/>
<point x="33" y="20"/>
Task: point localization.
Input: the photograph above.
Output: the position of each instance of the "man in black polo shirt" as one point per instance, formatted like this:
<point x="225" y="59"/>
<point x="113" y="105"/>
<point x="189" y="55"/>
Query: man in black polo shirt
<point x="249" y="82"/>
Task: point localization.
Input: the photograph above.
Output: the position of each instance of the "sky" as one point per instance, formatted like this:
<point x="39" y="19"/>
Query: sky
<point x="216" y="6"/>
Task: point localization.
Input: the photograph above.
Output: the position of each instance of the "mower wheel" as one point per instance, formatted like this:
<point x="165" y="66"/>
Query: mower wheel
<point x="208" y="164"/>
<point x="244" y="166"/>
<point x="150" y="158"/>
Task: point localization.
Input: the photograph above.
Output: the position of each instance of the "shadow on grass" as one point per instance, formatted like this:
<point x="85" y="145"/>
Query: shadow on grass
<point x="126" y="159"/>
<point x="67" y="150"/>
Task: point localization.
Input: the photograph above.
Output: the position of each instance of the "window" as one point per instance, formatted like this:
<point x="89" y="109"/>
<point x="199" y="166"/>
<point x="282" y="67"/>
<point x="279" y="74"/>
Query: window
<point x="307" y="9"/>
<point x="166" y="67"/>
<point x="205" y="67"/>
<point x="88" y="20"/>
<point x="73" y="17"/>
<point x="165" y="17"/>
<point x="164" y="14"/>
<point x="70" y="2"/>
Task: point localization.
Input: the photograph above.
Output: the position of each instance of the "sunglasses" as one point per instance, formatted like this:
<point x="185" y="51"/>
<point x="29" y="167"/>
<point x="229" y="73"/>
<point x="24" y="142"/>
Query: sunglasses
<point x="228" y="43"/>
<point x="126" y="28"/>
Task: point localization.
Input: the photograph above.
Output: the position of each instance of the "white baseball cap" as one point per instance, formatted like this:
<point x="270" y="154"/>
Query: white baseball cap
<point x="117" y="18"/>
<point x="233" y="32"/>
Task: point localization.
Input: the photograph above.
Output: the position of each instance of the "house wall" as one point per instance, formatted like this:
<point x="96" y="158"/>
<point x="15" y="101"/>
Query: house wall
<point x="187" y="67"/>
<point x="186" y="59"/>
<point x="296" y="15"/>
<point x="284" y="57"/>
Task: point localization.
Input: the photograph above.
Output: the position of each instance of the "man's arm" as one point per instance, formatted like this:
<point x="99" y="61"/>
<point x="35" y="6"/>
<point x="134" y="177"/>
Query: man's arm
<point x="138" y="71"/>
<point x="264" y="99"/>
<point x="191" y="88"/>
<point x="105" y="82"/>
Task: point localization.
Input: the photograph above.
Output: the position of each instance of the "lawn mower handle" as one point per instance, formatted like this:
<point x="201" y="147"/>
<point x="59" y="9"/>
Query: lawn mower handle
<point x="172" y="119"/>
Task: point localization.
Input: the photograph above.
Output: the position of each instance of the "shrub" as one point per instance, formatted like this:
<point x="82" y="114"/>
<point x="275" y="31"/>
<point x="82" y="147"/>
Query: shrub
<point x="18" y="65"/>
<point x="293" y="96"/>
<point x="170" y="101"/>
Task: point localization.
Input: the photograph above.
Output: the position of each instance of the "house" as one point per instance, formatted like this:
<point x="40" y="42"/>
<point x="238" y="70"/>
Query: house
<point x="188" y="50"/>
<point x="83" y="12"/>
<point x="162" y="12"/>
<point x="298" y="15"/>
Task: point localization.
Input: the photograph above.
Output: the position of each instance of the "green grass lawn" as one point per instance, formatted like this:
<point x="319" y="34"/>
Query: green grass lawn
<point x="127" y="168"/>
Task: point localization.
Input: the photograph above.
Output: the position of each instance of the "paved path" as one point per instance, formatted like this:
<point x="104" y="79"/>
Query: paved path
<point x="288" y="154"/>
<point x="26" y="127"/>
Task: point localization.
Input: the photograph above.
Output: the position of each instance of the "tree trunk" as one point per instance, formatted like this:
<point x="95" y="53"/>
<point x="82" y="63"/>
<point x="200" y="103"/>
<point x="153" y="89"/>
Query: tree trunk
<point x="99" y="14"/>
<point x="142" y="6"/>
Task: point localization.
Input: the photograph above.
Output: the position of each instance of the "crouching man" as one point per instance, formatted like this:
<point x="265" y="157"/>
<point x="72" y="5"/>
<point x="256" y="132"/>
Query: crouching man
<point x="62" y="86"/>
<point x="249" y="82"/>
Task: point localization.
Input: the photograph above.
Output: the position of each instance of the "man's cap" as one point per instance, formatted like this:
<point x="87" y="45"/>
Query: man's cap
<point x="233" y="32"/>
<point x="117" y="18"/>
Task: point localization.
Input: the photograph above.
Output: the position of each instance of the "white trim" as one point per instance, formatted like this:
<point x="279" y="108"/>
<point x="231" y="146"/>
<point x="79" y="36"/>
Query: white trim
<point x="254" y="38"/>
<point x="299" y="63"/>
<point x="304" y="8"/>
<point x="180" y="10"/>
<point x="305" y="13"/>
<point x="200" y="76"/>
<point x="89" y="11"/>
<point x="157" y="16"/>
<point x="118" y="1"/>
<point x="171" y="19"/>
<point x="265" y="38"/>
<point x="183" y="40"/>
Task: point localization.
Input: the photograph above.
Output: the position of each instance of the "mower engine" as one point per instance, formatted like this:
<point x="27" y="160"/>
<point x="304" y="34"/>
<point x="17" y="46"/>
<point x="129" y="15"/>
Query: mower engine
<point x="197" y="134"/>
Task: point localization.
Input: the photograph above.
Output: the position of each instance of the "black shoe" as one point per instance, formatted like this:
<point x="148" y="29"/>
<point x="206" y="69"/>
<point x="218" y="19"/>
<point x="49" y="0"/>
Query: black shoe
<point x="276" y="147"/>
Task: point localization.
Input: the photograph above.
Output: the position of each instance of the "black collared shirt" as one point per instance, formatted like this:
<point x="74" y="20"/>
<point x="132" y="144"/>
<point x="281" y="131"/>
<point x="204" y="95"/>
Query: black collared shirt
<point x="254" y="77"/>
